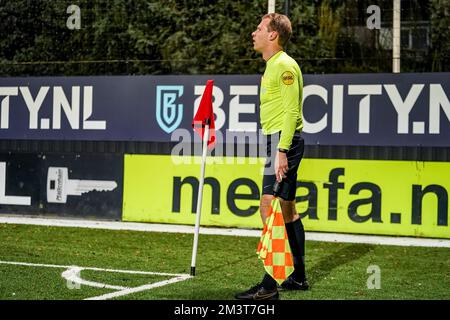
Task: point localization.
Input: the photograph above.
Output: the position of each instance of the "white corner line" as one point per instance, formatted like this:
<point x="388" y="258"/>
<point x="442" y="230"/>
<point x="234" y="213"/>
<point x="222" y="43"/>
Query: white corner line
<point x="154" y="227"/>
<point x="29" y="264"/>
<point x="145" y="287"/>
<point x="72" y="273"/>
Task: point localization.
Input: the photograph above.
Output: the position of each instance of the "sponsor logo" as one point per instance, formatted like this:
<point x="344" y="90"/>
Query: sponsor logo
<point x="59" y="186"/>
<point x="333" y="195"/>
<point x="287" y="77"/>
<point x="168" y="113"/>
<point x="76" y="110"/>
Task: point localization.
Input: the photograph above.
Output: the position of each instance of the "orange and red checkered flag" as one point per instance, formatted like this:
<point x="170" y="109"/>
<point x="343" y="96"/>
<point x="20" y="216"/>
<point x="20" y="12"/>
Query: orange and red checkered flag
<point x="273" y="247"/>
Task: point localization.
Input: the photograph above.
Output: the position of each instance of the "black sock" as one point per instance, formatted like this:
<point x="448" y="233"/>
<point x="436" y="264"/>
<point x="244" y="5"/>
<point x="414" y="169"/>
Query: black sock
<point x="268" y="282"/>
<point x="296" y="236"/>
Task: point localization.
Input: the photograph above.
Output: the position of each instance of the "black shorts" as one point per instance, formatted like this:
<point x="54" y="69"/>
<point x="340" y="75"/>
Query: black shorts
<point x="288" y="186"/>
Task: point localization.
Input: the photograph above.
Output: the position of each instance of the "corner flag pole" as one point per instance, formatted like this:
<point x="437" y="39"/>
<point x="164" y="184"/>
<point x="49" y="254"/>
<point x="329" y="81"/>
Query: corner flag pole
<point x="200" y="196"/>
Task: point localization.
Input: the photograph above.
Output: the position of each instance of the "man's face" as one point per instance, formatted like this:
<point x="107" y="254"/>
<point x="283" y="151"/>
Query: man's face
<point x="261" y="36"/>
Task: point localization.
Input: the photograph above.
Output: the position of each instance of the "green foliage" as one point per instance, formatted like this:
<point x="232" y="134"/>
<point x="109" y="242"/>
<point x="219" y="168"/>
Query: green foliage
<point x="193" y="37"/>
<point x="440" y="29"/>
<point x="209" y="38"/>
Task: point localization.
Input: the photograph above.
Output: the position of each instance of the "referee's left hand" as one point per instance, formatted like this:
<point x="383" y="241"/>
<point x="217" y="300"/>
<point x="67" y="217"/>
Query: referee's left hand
<point x="281" y="166"/>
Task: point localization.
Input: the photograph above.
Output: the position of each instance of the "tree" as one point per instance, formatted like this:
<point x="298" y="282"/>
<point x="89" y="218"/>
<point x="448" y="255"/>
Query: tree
<point x="440" y="28"/>
<point x="201" y="37"/>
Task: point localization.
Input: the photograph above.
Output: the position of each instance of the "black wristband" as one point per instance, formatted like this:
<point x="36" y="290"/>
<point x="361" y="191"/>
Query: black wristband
<point x="282" y="150"/>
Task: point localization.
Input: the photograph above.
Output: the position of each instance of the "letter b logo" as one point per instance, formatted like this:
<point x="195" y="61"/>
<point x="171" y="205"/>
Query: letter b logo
<point x="168" y="113"/>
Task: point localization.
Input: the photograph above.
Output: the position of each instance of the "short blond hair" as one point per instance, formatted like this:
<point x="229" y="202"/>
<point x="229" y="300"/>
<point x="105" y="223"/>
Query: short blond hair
<point x="281" y="24"/>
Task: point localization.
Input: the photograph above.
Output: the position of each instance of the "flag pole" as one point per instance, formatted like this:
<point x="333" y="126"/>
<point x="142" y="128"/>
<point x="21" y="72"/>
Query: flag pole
<point x="200" y="196"/>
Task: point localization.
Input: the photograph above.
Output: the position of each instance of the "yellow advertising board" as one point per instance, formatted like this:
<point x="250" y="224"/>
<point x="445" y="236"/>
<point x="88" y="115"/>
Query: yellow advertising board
<point x="407" y="198"/>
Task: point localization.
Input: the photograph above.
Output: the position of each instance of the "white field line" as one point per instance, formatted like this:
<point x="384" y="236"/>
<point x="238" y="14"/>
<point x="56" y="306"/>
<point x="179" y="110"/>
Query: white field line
<point x="91" y="268"/>
<point x="149" y="286"/>
<point x="72" y="273"/>
<point x="151" y="227"/>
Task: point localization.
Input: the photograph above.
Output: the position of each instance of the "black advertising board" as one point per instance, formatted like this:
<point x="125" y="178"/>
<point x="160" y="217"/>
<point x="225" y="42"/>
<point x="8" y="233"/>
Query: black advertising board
<point x="410" y="109"/>
<point x="72" y="185"/>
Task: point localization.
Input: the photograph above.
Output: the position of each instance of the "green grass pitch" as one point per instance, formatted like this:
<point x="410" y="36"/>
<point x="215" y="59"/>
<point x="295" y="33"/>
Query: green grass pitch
<point x="225" y="265"/>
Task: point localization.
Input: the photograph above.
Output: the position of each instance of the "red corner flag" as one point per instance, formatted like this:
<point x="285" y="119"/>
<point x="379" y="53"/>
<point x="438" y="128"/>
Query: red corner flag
<point x="205" y="115"/>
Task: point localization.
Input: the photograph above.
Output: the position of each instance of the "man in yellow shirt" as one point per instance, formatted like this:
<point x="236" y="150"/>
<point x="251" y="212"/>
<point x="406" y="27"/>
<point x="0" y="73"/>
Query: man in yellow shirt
<point x="281" y="122"/>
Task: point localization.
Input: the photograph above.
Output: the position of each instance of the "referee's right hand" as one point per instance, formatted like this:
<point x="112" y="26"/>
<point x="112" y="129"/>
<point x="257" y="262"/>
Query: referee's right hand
<point x="281" y="166"/>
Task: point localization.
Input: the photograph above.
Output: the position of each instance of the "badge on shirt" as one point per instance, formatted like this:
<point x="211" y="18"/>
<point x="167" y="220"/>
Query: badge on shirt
<point x="287" y="77"/>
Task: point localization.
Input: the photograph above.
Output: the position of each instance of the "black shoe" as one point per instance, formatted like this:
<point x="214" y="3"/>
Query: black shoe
<point x="258" y="292"/>
<point x="291" y="284"/>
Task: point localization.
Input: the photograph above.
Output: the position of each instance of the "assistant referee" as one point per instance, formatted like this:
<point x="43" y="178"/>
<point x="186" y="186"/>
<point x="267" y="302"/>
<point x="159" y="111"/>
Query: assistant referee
<point x="281" y="121"/>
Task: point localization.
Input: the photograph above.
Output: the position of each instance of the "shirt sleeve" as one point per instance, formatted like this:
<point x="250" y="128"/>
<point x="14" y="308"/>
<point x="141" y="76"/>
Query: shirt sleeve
<point x="289" y="88"/>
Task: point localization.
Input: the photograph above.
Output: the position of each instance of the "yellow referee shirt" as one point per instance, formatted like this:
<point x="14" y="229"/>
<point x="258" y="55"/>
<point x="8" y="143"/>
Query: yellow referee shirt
<point x="281" y="98"/>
